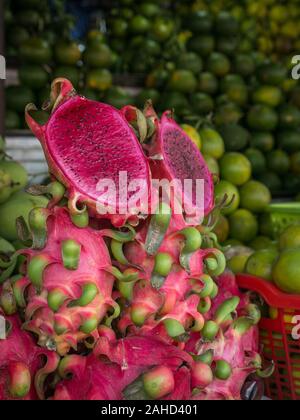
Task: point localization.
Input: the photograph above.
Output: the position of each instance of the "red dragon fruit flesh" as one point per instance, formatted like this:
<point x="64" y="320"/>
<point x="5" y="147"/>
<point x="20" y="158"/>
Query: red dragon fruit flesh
<point x="174" y="157"/>
<point x="86" y="141"/>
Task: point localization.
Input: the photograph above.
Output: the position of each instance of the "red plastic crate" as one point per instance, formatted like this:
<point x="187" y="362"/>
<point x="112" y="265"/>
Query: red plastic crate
<point x="276" y="338"/>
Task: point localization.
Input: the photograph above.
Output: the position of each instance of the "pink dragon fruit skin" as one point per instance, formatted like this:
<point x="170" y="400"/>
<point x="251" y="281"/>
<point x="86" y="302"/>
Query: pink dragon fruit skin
<point x="113" y="366"/>
<point x="237" y="349"/>
<point x="60" y="326"/>
<point x="175" y="299"/>
<point x="86" y="141"/>
<point x="22" y="369"/>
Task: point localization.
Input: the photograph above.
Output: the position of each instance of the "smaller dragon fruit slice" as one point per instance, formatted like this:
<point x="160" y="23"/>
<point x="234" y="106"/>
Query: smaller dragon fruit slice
<point x="173" y="156"/>
<point x="22" y="366"/>
<point x="86" y="142"/>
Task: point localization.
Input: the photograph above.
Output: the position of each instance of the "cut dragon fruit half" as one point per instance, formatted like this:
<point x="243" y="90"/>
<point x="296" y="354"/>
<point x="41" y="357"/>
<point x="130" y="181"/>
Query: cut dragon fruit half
<point x="175" y="157"/>
<point x="86" y="142"/>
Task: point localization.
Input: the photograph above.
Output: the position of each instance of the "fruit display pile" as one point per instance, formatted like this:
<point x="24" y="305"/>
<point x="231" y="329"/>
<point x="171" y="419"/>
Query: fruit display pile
<point x="267" y="26"/>
<point x="278" y="263"/>
<point x="106" y="295"/>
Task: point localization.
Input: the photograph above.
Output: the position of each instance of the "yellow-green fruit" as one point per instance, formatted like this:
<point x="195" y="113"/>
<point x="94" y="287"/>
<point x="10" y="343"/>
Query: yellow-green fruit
<point x="238" y="263"/>
<point x="183" y="81"/>
<point x="19" y="204"/>
<point x="263" y="242"/>
<point x="255" y="196"/>
<point x="243" y="225"/>
<point x="17" y="173"/>
<point x="235" y="168"/>
<point x="261" y="263"/>
<point x="290" y="238"/>
<point x="5" y="186"/>
<point x="286" y="272"/>
<point x="267" y="95"/>
<point x="100" y="80"/>
<point x="212" y="143"/>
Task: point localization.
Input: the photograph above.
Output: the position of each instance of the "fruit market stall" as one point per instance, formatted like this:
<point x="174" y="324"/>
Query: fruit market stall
<point x="175" y="306"/>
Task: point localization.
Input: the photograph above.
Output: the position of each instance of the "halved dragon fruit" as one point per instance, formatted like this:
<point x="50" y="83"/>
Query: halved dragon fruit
<point x="86" y="142"/>
<point x="175" y="157"/>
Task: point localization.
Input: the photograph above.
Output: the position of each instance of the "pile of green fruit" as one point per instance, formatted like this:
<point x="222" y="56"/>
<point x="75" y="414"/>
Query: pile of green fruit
<point x="143" y="34"/>
<point x="14" y="203"/>
<point x="252" y="101"/>
<point x="279" y="261"/>
<point x="270" y="26"/>
<point x="40" y="49"/>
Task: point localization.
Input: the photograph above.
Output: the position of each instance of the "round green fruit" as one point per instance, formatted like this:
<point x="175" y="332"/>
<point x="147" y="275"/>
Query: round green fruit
<point x="19" y="204"/>
<point x="261" y="263"/>
<point x="262" y="118"/>
<point x="243" y="226"/>
<point x="35" y="77"/>
<point x="182" y="81"/>
<point x="286" y="272"/>
<point x="17" y="174"/>
<point x="257" y="160"/>
<point x="235" y="168"/>
<point x="35" y="51"/>
<point x="235" y="137"/>
<point x="67" y="53"/>
<point x="212" y="142"/>
<point x="255" y="196"/>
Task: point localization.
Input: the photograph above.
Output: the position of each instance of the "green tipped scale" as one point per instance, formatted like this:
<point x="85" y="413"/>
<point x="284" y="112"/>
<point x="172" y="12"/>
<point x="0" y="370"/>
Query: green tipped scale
<point x="36" y="268"/>
<point x="70" y="251"/>
<point x="193" y="242"/>
<point x="158" y="228"/>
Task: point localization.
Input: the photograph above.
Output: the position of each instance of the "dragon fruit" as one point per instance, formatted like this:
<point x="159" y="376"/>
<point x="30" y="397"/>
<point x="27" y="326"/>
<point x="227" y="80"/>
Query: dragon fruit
<point x="134" y="304"/>
<point x="22" y="364"/>
<point x="120" y="370"/>
<point x="86" y="141"/>
<point x="174" y="157"/>
<point x="175" y="279"/>
<point x="66" y="290"/>
<point x="233" y="352"/>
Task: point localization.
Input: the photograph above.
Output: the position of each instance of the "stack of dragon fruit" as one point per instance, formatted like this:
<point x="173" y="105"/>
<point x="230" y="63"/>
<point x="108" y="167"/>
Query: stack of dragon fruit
<point x="121" y="305"/>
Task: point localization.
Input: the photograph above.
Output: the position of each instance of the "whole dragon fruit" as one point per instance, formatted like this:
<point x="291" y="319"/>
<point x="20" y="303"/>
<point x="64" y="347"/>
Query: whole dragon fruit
<point x="153" y="280"/>
<point x="130" y="368"/>
<point x="66" y="291"/>
<point x="231" y="349"/>
<point x="22" y="363"/>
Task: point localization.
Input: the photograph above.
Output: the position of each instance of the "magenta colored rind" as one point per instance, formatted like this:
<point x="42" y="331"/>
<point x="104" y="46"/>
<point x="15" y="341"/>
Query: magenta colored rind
<point x="112" y="366"/>
<point x="20" y="347"/>
<point x="181" y="160"/>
